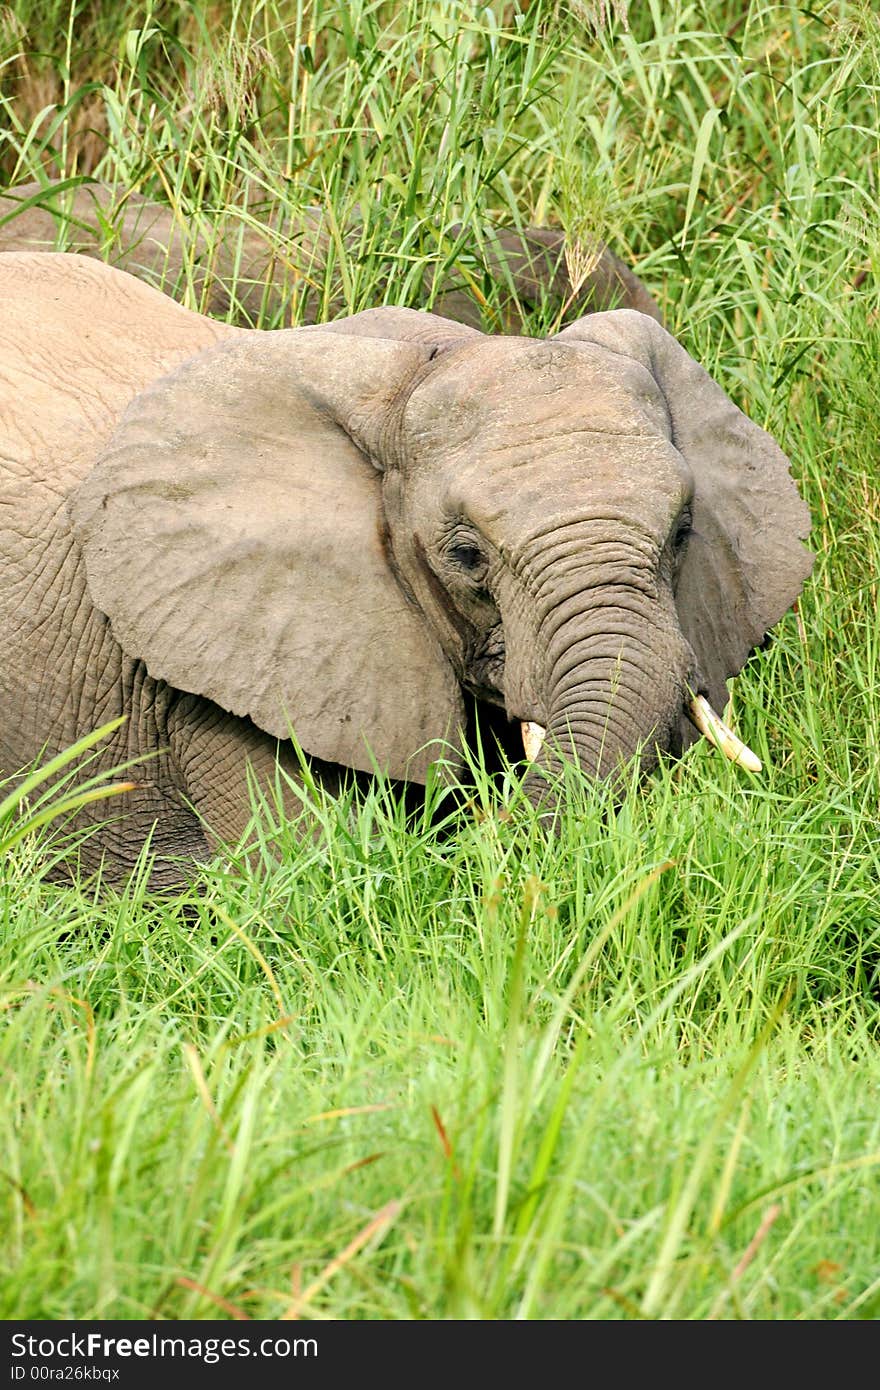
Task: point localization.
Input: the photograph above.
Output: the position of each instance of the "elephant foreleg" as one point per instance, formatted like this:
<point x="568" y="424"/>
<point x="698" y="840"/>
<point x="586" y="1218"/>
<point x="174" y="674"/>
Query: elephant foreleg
<point x="225" y="761"/>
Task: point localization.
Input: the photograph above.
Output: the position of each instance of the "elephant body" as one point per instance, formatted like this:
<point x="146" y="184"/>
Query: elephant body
<point x="244" y="273"/>
<point x="227" y="534"/>
<point x="76" y="388"/>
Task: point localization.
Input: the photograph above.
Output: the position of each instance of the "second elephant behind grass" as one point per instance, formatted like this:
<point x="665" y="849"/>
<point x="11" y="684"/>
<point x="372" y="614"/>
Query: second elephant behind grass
<point x="286" y="266"/>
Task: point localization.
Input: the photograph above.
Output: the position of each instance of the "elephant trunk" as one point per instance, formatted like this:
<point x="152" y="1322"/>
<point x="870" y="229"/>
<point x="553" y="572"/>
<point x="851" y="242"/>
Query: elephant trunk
<point x="617" y="680"/>
<point x="619" y="687"/>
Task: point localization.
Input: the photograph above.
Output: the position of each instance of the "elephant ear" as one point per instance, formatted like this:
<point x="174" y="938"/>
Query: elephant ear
<point x="745" y="564"/>
<point x="233" y="534"/>
<point x="431" y="331"/>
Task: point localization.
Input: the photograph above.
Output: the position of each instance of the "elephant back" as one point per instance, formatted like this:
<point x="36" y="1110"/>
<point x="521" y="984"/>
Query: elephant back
<point x="80" y="340"/>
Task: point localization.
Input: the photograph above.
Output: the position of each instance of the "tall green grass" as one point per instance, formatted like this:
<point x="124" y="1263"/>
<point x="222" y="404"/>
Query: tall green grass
<point x="445" y="1064"/>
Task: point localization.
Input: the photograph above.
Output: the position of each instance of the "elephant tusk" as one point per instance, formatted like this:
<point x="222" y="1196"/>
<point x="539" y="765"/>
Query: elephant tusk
<point x="717" y="732"/>
<point x="533" y="736"/>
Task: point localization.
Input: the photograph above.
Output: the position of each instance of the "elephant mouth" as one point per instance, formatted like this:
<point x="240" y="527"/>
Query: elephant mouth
<point x="702" y="716"/>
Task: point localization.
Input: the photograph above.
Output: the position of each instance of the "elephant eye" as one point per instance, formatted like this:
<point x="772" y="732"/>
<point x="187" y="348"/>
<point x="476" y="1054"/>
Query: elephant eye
<point x="468" y="557"/>
<point x="682" y="530"/>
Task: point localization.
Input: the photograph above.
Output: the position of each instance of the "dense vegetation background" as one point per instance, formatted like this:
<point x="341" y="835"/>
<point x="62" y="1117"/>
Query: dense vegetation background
<point x="448" y="1067"/>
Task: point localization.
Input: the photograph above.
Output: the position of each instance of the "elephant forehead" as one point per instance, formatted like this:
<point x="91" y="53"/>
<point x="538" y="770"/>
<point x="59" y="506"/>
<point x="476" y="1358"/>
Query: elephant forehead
<point x="510" y="393"/>
<point x="639" y="481"/>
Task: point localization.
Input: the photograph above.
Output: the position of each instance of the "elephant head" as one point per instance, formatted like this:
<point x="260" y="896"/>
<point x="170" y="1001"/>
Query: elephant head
<point x="340" y="528"/>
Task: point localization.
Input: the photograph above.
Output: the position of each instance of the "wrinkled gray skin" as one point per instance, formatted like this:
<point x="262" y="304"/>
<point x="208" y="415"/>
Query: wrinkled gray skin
<point x="245" y="273"/>
<point x="224" y="532"/>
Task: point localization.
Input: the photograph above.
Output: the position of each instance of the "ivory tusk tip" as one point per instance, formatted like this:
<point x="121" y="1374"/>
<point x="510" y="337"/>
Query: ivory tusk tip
<point x="716" y="731"/>
<point x="533" y="736"/>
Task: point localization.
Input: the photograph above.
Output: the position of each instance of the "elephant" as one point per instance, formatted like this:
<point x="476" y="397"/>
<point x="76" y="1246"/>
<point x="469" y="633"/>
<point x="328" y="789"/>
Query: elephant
<point x="251" y="275"/>
<point x="338" y="531"/>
